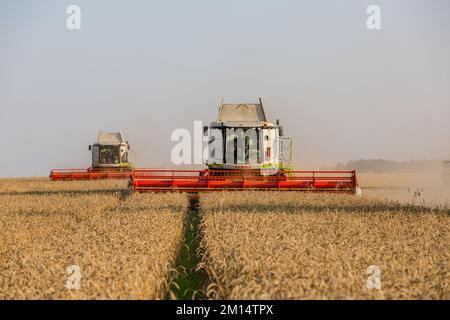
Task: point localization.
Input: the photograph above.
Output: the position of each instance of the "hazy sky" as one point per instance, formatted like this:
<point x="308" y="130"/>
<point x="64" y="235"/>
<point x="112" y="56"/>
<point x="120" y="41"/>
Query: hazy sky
<point x="148" y="67"/>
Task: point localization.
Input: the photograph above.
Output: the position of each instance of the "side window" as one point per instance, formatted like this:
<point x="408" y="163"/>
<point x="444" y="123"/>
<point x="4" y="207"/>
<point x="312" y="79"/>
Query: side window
<point x="247" y="150"/>
<point x="95" y="154"/>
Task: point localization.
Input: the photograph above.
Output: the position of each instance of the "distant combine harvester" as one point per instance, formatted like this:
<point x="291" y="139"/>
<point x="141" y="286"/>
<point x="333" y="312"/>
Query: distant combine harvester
<point x="110" y="160"/>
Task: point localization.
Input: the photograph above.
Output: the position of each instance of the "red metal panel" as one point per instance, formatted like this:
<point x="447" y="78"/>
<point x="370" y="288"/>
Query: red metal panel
<point x="152" y="180"/>
<point x="262" y="183"/>
<point x="225" y="184"/>
<point x="296" y="184"/>
<point x="190" y="183"/>
<point x="89" y="174"/>
<point x="156" y="180"/>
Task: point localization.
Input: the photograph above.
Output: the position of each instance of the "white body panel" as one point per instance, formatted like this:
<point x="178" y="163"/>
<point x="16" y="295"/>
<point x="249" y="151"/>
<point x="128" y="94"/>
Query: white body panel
<point x="215" y="146"/>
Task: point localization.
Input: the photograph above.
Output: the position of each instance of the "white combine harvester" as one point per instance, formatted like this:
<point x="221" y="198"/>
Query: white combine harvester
<point x="110" y="160"/>
<point x="246" y="152"/>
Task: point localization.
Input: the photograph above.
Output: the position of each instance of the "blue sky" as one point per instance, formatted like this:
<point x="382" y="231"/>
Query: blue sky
<point x="148" y="67"/>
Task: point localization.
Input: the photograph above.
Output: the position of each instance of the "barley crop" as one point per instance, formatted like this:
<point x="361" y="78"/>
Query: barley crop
<point x="124" y="247"/>
<point x="261" y="245"/>
<point x="43" y="186"/>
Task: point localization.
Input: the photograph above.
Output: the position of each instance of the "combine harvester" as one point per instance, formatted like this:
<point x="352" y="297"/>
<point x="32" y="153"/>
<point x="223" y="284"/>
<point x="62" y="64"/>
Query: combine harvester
<point x="110" y="160"/>
<point x="245" y="152"/>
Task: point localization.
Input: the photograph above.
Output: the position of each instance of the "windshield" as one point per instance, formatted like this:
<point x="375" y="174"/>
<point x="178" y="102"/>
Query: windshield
<point x="242" y="146"/>
<point x="109" y="155"/>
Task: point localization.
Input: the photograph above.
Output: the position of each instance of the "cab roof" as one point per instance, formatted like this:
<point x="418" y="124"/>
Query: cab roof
<point x="243" y="112"/>
<point x="110" y="138"/>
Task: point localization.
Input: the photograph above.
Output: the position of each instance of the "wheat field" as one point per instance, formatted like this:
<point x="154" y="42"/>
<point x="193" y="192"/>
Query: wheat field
<point x="42" y="186"/>
<point x="124" y="248"/>
<point x="308" y="246"/>
<point x="253" y="245"/>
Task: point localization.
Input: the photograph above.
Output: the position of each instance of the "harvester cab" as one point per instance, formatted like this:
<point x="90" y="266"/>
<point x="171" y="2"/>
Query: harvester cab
<point x="243" y="139"/>
<point x="110" y="151"/>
